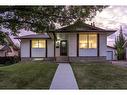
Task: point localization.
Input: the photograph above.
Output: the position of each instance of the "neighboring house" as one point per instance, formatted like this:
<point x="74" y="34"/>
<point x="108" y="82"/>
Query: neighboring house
<point x="9" y="48"/>
<point x="15" y="51"/>
<point x="4" y="49"/>
<point x="111" y="53"/>
<point x="76" y="41"/>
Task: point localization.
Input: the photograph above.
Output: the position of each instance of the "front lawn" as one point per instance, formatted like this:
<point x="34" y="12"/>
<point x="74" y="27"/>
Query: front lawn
<point x="100" y="76"/>
<point x="30" y="75"/>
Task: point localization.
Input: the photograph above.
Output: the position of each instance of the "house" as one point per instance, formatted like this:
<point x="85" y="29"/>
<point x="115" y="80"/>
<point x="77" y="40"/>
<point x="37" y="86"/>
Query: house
<point x="9" y="48"/>
<point x="111" y="53"/>
<point x="77" y="41"/>
<point x="4" y="49"/>
<point x="14" y="50"/>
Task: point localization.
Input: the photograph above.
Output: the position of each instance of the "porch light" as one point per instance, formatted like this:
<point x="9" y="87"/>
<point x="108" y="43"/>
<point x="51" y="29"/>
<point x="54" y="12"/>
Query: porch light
<point x="57" y="43"/>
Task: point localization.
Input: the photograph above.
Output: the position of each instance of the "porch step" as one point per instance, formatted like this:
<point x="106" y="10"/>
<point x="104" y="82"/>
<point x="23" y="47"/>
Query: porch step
<point x="62" y="59"/>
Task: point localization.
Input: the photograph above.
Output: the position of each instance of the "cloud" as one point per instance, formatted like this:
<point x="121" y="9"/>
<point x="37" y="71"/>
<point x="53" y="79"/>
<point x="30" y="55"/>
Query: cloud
<point x="112" y="17"/>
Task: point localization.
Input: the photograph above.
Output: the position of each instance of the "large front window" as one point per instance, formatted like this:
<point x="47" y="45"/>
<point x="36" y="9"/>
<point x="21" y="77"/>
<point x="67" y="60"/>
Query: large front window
<point x="38" y="43"/>
<point x="88" y="41"/>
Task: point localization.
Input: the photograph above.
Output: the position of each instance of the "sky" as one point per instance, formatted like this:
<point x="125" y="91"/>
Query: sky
<point x="112" y="17"/>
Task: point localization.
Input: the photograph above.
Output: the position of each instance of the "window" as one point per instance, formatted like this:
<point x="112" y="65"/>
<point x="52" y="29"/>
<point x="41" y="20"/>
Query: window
<point x="38" y="43"/>
<point x="87" y="41"/>
<point x="83" y="41"/>
<point x="92" y="41"/>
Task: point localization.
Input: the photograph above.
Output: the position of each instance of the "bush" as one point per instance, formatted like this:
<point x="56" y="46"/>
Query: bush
<point x="9" y="60"/>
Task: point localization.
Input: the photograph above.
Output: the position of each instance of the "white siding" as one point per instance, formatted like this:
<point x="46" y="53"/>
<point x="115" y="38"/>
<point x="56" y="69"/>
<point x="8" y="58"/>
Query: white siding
<point x="72" y="44"/>
<point x="50" y="47"/>
<point x="25" y="48"/>
<point x="57" y="52"/>
<point x="103" y="44"/>
<point x="38" y="52"/>
<point x="87" y="52"/>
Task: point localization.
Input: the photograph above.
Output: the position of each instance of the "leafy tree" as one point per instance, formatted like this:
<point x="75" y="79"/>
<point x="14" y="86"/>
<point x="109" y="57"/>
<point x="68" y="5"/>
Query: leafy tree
<point x="2" y="38"/>
<point x="43" y="18"/>
<point x="119" y="42"/>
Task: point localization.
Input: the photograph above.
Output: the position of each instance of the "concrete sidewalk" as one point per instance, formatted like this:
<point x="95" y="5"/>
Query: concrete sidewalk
<point x="64" y="78"/>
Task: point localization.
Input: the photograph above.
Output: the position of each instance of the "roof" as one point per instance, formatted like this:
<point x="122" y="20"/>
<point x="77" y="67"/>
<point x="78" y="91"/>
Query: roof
<point x="111" y="47"/>
<point x="80" y="26"/>
<point x="9" y="41"/>
<point x="12" y="43"/>
<point x="35" y="36"/>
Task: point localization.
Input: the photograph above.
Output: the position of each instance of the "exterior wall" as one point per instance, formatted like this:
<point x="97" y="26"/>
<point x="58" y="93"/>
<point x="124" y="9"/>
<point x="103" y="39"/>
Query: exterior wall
<point x="72" y="48"/>
<point x="38" y="52"/>
<point x="2" y="53"/>
<point x="87" y="52"/>
<point x="57" y="52"/>
<point x="25" y="48"/>
<point x="50" y="48"/>
<point x="103" y="44"/>
<point x="72" y="44"/>
<point x="113" y="51"/>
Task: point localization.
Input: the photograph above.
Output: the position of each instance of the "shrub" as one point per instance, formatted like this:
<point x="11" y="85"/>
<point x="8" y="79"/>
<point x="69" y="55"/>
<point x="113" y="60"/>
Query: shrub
<point x="9" y="60"/>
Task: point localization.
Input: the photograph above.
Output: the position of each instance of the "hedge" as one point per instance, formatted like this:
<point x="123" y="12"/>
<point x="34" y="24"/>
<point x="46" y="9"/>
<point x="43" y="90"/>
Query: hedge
<point x="9" y="60"/>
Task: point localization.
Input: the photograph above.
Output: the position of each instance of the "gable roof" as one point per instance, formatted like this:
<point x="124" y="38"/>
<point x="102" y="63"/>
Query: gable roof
<point x="34" y="36"/>
<point x="9" y="41"/>
<point x="80" y="26"/>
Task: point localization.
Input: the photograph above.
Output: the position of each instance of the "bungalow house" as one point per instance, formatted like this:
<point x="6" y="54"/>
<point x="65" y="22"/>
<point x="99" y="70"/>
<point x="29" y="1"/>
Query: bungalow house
<point x="78" y="41"/>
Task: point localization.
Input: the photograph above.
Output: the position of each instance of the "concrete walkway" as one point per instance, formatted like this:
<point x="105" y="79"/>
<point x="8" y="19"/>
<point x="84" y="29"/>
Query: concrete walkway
<point x="64" y="78"/>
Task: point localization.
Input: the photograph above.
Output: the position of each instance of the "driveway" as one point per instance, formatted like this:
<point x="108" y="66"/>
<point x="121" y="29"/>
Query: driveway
<point x="120" y="63"/>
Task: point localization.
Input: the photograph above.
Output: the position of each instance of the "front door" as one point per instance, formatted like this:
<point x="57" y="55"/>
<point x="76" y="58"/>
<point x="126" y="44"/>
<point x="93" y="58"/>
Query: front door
<point x="63" y="48"/>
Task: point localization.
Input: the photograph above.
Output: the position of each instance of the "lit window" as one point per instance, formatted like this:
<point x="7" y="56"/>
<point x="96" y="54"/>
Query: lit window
<point x="87" y="41"/>
<point x="38" y="43"/>
<point x="83" y="41"/>
<point x="92" y="41"/>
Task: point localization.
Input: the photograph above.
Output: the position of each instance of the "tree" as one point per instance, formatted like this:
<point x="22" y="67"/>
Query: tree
<point x="3" y="38"/>
<point x="119" y="42"/>
<point x="43" y="18"/>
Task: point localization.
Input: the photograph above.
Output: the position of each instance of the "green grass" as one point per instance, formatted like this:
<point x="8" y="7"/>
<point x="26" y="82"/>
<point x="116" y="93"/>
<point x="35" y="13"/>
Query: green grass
<point x="100" y="76"/>
<point x="30" y="75"/>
